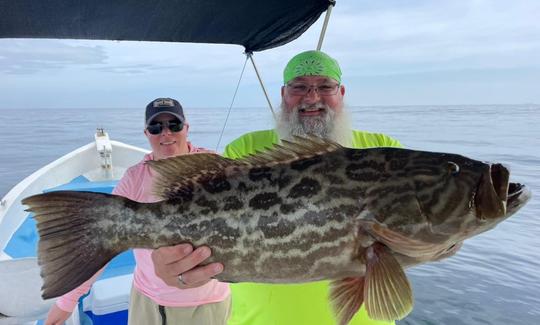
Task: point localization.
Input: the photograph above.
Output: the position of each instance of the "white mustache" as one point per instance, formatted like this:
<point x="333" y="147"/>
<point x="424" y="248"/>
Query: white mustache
<point x="330" y="125"/>
<point x="311" y="107"/>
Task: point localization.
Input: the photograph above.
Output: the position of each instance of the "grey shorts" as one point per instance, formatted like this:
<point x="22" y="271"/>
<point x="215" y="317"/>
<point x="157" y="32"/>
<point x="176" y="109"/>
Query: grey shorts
<point x="144" y="311"/>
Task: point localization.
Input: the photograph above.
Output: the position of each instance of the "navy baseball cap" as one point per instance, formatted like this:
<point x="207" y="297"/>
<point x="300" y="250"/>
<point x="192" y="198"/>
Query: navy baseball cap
<point x="164" y="105"/>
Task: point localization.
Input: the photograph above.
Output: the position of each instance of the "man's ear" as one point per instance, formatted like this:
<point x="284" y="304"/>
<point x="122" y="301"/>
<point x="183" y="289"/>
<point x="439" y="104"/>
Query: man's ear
<point x="282" y="90"/>
<point x="342" y="90"/>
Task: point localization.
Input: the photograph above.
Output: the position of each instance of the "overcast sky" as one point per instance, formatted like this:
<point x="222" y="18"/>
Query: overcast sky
<point x="416" y="52"/>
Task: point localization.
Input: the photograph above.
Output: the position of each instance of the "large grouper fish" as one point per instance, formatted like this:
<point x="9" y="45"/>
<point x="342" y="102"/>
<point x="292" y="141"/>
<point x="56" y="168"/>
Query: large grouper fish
<point x="306" y="210"/>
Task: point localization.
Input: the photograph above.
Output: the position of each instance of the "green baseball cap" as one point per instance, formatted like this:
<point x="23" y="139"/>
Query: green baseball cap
<point x="312" y="63"/>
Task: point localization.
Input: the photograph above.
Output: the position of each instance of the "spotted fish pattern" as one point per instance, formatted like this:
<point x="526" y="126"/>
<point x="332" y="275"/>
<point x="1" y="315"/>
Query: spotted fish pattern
<point x="304" y="211"/>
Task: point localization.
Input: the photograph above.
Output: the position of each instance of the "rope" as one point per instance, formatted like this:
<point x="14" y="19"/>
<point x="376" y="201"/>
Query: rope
<point x="250" y="55"/>
<point x="232" y="103"/>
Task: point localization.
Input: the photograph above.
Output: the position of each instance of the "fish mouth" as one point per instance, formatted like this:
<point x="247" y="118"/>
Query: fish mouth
<point x="492" y="192"/>
<point x="496" y="197"/>
<point x="518" y="195"/>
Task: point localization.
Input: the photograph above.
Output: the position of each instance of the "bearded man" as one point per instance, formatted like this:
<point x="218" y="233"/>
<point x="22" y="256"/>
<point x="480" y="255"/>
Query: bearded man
<point x="312" y="99"/>
<point x="312" y="104"/>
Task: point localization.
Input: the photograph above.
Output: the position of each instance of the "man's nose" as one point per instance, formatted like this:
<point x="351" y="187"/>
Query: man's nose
<point x="312" y="95"/>
<point x="166" y="130"/>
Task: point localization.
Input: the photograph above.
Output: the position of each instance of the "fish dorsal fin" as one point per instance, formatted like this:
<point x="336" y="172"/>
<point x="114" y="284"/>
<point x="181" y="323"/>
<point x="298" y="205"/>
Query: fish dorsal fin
<point x="178" y="174"/>
<point x="291" y="150"/>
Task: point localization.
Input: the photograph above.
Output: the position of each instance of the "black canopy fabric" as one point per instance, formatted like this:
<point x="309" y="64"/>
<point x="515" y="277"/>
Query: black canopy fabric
<point x="255" y="24"/>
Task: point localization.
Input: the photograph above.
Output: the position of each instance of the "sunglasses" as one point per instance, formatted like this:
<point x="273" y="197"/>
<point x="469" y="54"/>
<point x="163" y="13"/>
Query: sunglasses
<point x="156" y="128"/>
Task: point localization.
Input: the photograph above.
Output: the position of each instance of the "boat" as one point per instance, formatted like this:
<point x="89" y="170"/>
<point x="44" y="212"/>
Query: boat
<point x="95" y="167"/>
<point x="98" y="166"/>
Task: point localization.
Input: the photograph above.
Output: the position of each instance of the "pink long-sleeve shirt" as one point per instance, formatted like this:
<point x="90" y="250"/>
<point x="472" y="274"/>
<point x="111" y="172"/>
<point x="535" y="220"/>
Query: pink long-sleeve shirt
<point x="136" y="184"/>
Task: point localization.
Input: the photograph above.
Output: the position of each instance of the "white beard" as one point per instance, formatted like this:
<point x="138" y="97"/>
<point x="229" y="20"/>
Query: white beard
<point x="330" y="125"/>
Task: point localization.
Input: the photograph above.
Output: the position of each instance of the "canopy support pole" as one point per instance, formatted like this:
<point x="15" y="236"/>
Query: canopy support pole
<point x="325" y="24"/>
<point x="250" y="56"/>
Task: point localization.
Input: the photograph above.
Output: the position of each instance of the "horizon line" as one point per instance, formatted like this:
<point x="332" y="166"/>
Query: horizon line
<point x="265" y="107"/>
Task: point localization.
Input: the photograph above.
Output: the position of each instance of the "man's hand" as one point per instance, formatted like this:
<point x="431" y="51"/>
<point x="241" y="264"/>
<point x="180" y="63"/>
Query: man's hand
<point x="56" y="316"/>
<point x="172" y="261"/>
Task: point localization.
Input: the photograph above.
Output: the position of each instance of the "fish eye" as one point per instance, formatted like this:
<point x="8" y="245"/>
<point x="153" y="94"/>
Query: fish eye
<point x="453" y="168"/>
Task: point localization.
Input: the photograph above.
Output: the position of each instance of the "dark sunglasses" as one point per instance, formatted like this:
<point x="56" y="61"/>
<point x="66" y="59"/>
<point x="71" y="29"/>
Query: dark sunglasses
<point x="156" y="128"/>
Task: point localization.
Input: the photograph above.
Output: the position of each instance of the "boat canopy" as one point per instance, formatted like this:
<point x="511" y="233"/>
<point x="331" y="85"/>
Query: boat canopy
<point x="256" y="25"/>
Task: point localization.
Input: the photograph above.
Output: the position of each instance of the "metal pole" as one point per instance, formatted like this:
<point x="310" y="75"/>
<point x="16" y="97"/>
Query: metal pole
<point x="325" y="24"/>
<point x="250" y="56"/>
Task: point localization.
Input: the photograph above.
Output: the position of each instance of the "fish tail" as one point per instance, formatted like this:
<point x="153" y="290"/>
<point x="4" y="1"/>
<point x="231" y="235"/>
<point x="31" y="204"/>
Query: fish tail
<point x="72" y="247"/>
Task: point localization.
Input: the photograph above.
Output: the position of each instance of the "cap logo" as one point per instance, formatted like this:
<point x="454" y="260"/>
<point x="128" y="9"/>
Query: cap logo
<point x="309" y="68"/>
<point x="163" y="102"/>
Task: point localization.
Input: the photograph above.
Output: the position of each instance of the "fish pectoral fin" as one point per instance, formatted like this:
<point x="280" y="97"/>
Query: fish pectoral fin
<point x="346" y="297"/>
<point x="387" y="294"/>
<point x="402" y="244"/>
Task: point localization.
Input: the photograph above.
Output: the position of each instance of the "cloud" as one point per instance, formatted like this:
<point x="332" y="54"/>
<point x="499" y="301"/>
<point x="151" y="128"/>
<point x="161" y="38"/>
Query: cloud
<point x="24" y="56"/>
<point x="170" y="59"/>
<point x="424" y="36"/>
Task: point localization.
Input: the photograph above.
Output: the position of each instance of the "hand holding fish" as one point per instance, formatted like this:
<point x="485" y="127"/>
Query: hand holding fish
<point x="172" y="261"/>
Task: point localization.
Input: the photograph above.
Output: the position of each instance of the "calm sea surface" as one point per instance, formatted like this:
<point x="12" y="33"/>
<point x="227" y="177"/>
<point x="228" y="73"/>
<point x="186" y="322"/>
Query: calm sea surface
<point x="493" y="279"/>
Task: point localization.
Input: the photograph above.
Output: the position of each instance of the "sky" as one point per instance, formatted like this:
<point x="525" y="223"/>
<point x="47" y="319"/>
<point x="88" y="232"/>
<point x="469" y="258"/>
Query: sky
<point x="414" y="52"/>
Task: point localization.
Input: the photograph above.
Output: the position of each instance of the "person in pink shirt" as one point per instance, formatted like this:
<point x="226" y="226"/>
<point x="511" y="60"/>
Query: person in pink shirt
<point x="186" y="293"/>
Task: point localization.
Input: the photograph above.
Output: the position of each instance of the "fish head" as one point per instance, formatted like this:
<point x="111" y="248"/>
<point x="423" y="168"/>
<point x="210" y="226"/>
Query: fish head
<point x="467" y="197"/>
<point x="431" y="201"/>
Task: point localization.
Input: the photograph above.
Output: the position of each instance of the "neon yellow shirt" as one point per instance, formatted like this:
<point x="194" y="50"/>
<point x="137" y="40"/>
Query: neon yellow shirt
<point x="290" y="304"/>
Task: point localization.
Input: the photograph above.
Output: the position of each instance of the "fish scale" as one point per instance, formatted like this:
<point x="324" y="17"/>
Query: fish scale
<point x="305" y="211"/>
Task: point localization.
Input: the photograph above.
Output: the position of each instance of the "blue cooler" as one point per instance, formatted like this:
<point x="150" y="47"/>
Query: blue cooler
<point x="108" y="300"/>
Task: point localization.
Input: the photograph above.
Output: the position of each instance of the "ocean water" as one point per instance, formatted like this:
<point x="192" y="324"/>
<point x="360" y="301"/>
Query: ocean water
<point x="493" y="279"/>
